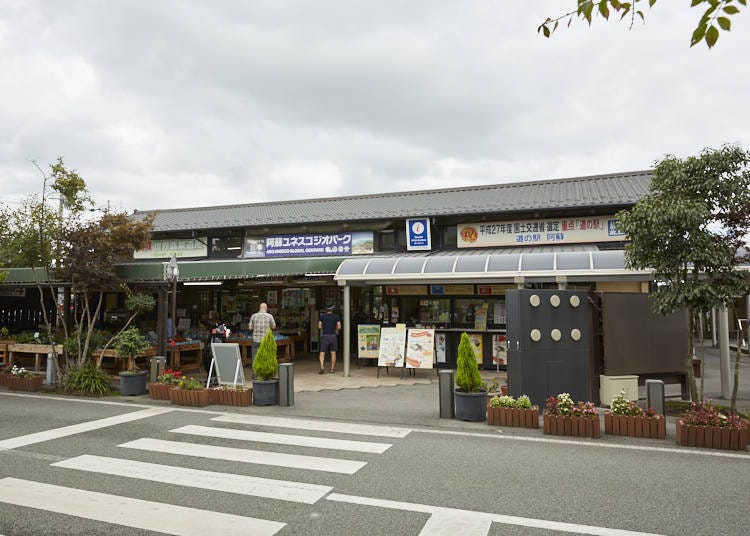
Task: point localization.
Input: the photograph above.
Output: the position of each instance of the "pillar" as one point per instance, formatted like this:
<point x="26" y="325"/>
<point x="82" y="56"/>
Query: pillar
<point x="346" y="325"/>
<point x="714" y="341"/>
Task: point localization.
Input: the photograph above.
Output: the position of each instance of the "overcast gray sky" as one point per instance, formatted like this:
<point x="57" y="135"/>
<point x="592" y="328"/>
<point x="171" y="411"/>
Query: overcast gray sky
<point x="177" y="103"/>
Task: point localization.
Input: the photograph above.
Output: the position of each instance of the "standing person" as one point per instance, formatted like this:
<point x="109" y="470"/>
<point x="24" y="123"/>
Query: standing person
<point x="259" y="324"/>
<point x="329" y="326"/>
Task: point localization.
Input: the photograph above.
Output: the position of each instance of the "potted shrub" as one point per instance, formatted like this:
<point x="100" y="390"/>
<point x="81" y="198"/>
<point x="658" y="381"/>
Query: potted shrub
<point x="564" y="417"/>
<point x="625" y="417"/>
<point x="265" y="369"/>
<point x="159" y="390"/>
<point x="704" y="426"/>
<point x="506" y="411"/>
<point x="21" y="379"/>
<point x="128" y="345"/>
<point x="470" y="396"/>
<point x="189" y="392"/>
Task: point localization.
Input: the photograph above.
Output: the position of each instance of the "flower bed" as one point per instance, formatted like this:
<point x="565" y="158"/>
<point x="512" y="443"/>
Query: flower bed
<point x="231" y="396"/>
<point x="703" y="426"/>
<point x="189" y="392"/>
<point x="159" y="390"/>
<point x="628" y="419"/>
<point x="563" y="417"/>
<point x="25" y="383"/>
<point x="506" y="411"/>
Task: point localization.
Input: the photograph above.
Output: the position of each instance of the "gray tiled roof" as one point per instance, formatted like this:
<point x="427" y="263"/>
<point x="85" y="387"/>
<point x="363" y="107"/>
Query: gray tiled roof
<point x="600" y="190"/>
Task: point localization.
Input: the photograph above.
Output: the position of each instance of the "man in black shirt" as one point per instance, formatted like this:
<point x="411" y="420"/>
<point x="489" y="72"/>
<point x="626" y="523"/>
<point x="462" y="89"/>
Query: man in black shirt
<point x="329" y="326"/>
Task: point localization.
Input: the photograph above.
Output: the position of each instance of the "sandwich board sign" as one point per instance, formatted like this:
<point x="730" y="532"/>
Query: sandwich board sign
<point x="226" y="363"/>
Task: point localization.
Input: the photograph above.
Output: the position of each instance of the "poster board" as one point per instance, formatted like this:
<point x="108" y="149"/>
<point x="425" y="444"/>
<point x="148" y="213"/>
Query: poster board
<point x="227" y="363"/>
<point x="480" y="317"/>
<point x="391" y="351"/>
<point x="476" y="344"/>
<point x="420" y="348"/>
<point x="368" y="341"/>
<point x="499" y="349"/>
<point x="441" y="343"/>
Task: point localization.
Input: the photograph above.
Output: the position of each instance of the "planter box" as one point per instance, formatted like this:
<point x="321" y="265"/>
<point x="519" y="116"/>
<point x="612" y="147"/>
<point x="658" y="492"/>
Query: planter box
<point x="183" y="397"/>
<point x="571" y="426"/>
<point x="4" y="379"/>
<point x="159" y="391"/>
<point x="522" y="418"/>
<point x="28" y="383"/>
<point x="712" y="437"/>
<point x="231" y="397"/>
<point x="470" y="407"/>
<point x="640" y="426"/>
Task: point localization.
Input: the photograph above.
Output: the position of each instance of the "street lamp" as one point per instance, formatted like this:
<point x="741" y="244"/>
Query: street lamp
<point x="172" y="272"/>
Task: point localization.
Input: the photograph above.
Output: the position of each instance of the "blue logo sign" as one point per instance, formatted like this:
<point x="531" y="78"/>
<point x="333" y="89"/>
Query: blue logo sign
<point x="418" y="234"/>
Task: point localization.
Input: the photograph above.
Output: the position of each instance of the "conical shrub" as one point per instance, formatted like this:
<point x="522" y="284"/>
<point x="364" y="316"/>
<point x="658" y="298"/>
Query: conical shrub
<point x="468" y="378"/>
<point x="265" y="364"/>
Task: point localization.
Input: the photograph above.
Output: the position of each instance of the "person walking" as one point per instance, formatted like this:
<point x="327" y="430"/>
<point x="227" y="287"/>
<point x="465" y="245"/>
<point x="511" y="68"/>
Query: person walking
<point x="260" y="323"/>
<point x="329" y="326"/>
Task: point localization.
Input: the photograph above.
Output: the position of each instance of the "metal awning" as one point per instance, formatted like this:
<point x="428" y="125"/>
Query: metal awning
<point x="500" y="267"/>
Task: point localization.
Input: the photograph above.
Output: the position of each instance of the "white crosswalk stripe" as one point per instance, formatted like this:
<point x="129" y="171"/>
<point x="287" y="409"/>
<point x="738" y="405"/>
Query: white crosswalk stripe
<point x="136" y="513"/>
<point x="184" y="476"/>
<point x="296" y="461"/>
<point x="310" y="424"/>
<point x="284" y="439"/>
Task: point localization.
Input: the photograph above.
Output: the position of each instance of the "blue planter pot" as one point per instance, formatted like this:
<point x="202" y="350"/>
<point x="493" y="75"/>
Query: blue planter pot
<point x="471" y="406"/>
<point x="265" y="392"/>
<point x="133" y="384"/>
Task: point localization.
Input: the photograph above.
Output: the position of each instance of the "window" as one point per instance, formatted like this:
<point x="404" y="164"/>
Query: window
<point x="225" y="247"/>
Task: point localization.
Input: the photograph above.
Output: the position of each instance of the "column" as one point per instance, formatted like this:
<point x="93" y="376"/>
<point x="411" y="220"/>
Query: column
<point x="345" y="326"/>
<point x="724" y="368"/>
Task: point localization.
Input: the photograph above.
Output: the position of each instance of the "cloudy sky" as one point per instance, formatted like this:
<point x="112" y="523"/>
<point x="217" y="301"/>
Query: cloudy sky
<point x="178" y="103"/>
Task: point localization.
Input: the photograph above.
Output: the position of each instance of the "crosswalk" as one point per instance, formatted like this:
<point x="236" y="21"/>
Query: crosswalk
<point x="150" y="515"/>
<point x="250" y="436"/>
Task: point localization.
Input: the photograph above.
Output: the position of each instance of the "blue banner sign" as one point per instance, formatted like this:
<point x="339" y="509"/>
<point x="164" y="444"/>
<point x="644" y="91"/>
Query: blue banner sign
<point x="319" y="245"/>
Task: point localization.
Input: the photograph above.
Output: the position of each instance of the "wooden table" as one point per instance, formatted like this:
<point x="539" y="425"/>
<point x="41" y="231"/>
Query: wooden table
<point x="186" y="348"/>
<point x="286" y="344"/>
<point x="36" y="349"/>
<point x="122" y="363"/>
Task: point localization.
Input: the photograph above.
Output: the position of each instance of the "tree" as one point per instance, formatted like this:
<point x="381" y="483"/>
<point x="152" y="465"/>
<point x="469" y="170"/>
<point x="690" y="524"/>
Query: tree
<point x="690" y="229"/>
<point x="468" y="377"/>
<point x="715" y="18"/>
<point x="63" y="245"/>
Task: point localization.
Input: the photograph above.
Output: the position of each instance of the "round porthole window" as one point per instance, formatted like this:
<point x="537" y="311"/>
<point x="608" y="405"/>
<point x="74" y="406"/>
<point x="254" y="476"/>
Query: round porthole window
<point x="575" y="301"/>
<point x="575" y="334"/>
<point x="534" y="300"/>
<point x="535" y="335"/>
<point x="556" y="335"/>
<point x="554" y="300"/>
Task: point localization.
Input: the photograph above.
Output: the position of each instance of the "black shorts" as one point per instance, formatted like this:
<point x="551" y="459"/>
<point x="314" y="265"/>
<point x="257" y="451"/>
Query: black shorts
<point x="329" y="343"/>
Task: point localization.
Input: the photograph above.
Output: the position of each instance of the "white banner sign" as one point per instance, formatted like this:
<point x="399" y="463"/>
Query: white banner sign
<point x="180" y="247"/>
<point x="538" y="232"/>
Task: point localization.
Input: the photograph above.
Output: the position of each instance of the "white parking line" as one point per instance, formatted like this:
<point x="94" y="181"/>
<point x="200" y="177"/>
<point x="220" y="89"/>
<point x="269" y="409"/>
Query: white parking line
<point x="284" y="439"/>
<point x="128" y="512"/>
<point x="73" y="429"/>
<point x="284" y="490"/>
<point x="470" y="523"/>
<point x="311" y="424"/>
<point x="260" y="457"/>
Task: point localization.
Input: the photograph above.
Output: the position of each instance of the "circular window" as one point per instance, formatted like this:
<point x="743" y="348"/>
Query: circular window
<point x="556" y="335"/>
<point x="534" y="300"/>
<point x="535" y="335"/>
<point x="554" y="300"/>
<point x="575" y="334"/>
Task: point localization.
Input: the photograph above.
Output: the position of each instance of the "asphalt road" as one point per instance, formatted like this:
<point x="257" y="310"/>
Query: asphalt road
<point x="376" y="480"/>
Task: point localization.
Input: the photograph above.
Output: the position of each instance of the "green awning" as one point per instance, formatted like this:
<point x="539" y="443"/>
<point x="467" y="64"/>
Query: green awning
<point x="213" y="270"/>
<point x="23" y="277"/>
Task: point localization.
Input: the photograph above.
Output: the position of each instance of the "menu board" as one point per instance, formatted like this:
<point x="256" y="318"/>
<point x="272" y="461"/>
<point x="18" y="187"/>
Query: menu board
<point x="499" y="349"/>
<point x="368" y="340"/>
<point x="476" y="344"/>
<point x="420" y="348"/>
<point x="391" y="351"/>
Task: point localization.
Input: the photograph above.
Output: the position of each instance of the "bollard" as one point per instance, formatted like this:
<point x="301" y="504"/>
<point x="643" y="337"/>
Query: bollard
<point x="445" y="384"/>
<point x="286" y="384"/>
<point x="51" y="370"/>
<point x="157" y="367"/>
<point x="655" y="396"/>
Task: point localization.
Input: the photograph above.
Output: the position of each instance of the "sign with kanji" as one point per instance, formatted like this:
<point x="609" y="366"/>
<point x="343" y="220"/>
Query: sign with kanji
<point x="319" y="245"/>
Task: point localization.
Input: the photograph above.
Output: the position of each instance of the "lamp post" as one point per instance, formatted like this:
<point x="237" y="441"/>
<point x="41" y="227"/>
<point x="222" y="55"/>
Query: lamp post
<point x="172" y="272"/>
